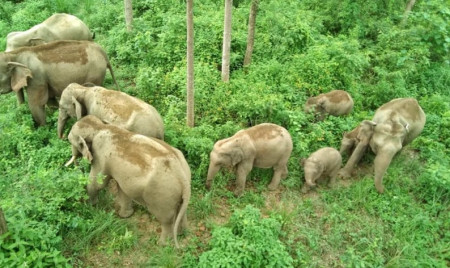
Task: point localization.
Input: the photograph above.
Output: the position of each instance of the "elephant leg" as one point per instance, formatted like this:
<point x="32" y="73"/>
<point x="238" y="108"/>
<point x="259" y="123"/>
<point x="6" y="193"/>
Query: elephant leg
<point x="166" y="233"/>
<point x="242" y="172"/>
<point x="381" y="164"/>
<point x="37" y="98"/>
<point x="96" y="184"/>
<point x="332" y="176"/>
<point x="125" y="204"/>
<point x="278" y="173"/>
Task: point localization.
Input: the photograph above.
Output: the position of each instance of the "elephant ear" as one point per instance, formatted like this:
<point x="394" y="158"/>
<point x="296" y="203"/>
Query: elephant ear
<point x="36" y="42"/>
<point x="19" y="75"/>
<point x="236" y="155"/>
<point x="78" y="108"/>
<point x="83" y="148"/>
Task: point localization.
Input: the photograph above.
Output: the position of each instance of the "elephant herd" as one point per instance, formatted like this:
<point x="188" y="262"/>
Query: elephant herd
<point x="123" y="137"/>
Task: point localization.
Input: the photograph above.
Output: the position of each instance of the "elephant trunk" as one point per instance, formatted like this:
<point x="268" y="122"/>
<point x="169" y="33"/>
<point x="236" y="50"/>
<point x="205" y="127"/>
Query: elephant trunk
<point x="212" y="171"/>
<point x="62" y="119"/>
<point x="381" y="164"/>
<point x="354" y="159"/>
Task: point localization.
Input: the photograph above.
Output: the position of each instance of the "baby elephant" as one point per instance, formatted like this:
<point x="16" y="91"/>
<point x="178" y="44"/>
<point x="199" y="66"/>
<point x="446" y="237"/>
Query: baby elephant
<point x="147" y="171"/>
<point x="110" y="106"/>
<point x="323" y="163"/>
<point x="349" y="141"/>
<point x="335" y="102"/>
<point x="264" y="146"/>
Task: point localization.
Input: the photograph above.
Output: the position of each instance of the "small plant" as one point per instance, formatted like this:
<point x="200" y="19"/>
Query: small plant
<point x="248" y="240"/>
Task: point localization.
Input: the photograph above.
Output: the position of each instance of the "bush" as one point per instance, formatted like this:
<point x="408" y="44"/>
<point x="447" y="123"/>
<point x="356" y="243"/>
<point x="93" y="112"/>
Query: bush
<point x="247" y="241"/>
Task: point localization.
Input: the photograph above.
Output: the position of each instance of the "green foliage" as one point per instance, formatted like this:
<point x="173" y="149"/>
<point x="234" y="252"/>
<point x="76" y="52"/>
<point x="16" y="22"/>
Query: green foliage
<point x="247" y="241"/>
<point x="302" y="48"/>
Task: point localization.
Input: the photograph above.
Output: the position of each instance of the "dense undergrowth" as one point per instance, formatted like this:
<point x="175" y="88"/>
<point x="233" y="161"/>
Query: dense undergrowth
<point x="302" y="48"/>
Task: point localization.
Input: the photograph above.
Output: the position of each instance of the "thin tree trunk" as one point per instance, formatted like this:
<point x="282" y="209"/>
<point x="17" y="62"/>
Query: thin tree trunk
<point x="190" y="62"/>
<point x="251" y="32"/>
<point x="3" y="227"/>
<point x="128" y="14"/>
<point x="408" y="9"/>
<point x="226" y="41"/>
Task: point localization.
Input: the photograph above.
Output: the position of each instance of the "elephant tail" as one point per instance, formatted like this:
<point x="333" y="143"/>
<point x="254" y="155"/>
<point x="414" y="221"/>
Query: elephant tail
<point x="186" y="195"/>
<point x="112" y="75"/>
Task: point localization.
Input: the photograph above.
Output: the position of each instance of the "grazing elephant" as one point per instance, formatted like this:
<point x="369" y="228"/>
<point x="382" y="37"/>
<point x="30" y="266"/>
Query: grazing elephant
<point x="46" y="70"/>
<point x="349" y="141"/>
<point x="110" y="106"/>
<point x="335" y="102"/>
<point x="264" y="146"/>
<point x="394" y="125"/>
<point x="321" y="164"/>
<point x="59" y="26"/>
<point x="147" y="171"/>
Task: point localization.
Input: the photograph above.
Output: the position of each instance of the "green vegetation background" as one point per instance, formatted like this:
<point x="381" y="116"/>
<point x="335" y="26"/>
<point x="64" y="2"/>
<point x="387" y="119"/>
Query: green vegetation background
<point x="302" y="48"/>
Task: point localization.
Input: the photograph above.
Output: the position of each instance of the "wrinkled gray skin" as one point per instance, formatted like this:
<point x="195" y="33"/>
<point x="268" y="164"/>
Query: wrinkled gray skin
<point x="349" y="141"/>
<point x="148" y="171"/>
<point x="263" y="146"/>
<point x="335" y="102"/>
<point x="46" y="70"/>
<point x="59" y="26"/>
<point x="322" y="164"/>
<point x="112" y="107"/>
<point x="394" y="125"/>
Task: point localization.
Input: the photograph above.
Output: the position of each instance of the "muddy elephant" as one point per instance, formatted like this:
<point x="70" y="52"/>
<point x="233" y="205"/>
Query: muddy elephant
<point x="46" y="70"/>
<point x="394" y="125"/>
<point x="110" y="106"/>
<point x="148" y="171"/>
<point x="59" y="26"/>
<point x="264" y="146"/>
<point x="321" y="165"/>
<point x="335" y="102"/>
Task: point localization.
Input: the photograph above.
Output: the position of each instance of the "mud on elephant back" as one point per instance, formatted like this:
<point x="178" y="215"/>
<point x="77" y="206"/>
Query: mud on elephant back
<point x="394" y="125"/>
<point x="46" y="70"/>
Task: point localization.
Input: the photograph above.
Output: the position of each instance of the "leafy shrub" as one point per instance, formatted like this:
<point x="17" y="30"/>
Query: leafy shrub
<point x="247" y="241"/>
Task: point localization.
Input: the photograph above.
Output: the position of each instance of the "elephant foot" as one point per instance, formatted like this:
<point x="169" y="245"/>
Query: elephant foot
<point x="238" y="192"/>
<point x="272" y="187"/>
<point x="344" y="174"/>
<point x="380" y="189"/>
<point x="125" y="213"/>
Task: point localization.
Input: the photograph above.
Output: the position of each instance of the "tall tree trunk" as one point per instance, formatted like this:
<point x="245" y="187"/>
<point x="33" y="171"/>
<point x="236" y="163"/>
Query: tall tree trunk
<point x="3" y="227"/>
<point x="408" y="9"/>
<point x="251" y="32"/>
<point x="128" y="14"/>
<point x="226" y="41"/>
<point x="190" y="62"/>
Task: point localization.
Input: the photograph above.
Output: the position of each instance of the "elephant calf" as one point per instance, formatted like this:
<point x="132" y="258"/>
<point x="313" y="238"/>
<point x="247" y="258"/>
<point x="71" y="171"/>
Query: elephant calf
<point x="110" y="106"/>
<point x="335" y="102"/>
<point x="264" y="146"/>
<point x="394" y="125"/>
<point x="147" y="170"/>
<point x="349" y="141"/>
<point x="321" y="164"/>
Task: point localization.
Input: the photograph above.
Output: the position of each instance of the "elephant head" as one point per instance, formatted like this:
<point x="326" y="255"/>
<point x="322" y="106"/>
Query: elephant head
<point x="226" y="153"/>
<point x="13" y="75"/>
<point x="69" y="107"/>
<point x="311" y="105"/>
<point x="313" y="169"/>
<point x="81" y="137"/>
<point x="366" y="130"/>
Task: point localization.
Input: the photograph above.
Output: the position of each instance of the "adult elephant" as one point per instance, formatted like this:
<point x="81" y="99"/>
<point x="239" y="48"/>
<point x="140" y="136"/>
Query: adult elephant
<point x="394" y="125"/>
<point x="112" y="107"/>
<point x="59" y="26"/>
<point x="46" y="70"/>
<point x="148" y="171"/>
